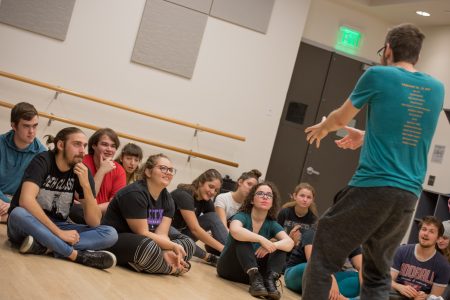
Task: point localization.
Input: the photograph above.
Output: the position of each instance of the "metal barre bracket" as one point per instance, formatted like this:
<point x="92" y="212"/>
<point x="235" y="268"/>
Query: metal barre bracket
<point x="50" y="121"/>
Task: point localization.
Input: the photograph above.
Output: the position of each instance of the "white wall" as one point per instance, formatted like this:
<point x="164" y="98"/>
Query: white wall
<point x="239" y="84"/>
<point x="325" y="18"/>
<point x="435" y="60"/>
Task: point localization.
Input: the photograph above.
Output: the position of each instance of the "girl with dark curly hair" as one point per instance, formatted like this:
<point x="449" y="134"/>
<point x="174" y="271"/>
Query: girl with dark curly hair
<point x="249" y="255"/>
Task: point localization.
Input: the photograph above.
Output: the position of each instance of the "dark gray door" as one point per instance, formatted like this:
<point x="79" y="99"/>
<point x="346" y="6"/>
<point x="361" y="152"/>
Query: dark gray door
<point x="329" y="168"/>
<point x="302" y="102"/>
<point x="321" y="82"/>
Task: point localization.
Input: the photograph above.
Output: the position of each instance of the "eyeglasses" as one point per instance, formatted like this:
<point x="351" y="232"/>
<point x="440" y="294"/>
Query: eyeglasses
<point x="381" y="51"/>
<point x="261" y="194"/>
<point x="167" y="170"/>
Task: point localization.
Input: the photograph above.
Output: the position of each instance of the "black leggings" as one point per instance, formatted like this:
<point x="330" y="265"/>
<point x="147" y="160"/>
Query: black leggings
<point x="142" y="254"/>
<point x="239" y="257"/>
<point x="209" y="222"/>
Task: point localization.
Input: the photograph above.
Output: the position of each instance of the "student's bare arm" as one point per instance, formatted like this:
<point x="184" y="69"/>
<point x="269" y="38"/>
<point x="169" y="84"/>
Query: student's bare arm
<point x="192" y="222"/>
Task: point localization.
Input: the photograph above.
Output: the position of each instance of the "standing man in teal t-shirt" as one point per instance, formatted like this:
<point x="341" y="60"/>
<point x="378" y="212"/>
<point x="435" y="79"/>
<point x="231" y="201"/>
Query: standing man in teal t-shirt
<point x="403" y="109"/>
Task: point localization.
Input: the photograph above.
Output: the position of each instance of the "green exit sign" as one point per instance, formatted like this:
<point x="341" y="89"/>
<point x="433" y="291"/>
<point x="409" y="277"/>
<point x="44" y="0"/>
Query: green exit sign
<point x="348" y="40"/>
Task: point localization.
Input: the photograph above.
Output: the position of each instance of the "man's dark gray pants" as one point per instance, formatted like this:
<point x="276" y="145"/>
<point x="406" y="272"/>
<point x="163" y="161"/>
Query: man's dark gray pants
<point x="374" y="217"/>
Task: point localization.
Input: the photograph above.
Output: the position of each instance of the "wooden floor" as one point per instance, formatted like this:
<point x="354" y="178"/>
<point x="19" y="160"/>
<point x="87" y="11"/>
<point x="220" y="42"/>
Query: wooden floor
<point x="44" y="277"/>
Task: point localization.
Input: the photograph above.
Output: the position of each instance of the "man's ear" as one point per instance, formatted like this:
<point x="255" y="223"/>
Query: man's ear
<point x="13" y="126"/>
<point x="60" y="145"/>
<point x="388" y="52"/>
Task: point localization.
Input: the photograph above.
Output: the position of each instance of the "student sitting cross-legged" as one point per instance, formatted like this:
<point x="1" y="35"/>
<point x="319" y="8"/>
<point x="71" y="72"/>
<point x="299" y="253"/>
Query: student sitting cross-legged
<point x="249" y="255"/>
<point x="142" y="213"/>
<point x="40" y="207"/>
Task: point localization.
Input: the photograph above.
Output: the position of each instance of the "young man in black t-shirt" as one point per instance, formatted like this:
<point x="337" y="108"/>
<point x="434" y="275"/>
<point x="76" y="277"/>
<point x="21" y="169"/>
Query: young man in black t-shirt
<point x="39" y="209"/>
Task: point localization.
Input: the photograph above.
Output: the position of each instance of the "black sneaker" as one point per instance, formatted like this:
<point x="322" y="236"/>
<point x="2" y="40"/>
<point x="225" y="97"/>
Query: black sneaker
<point x="96" y="259"/>
<point x="31" y="246"/>
<point x="212" y="260"/>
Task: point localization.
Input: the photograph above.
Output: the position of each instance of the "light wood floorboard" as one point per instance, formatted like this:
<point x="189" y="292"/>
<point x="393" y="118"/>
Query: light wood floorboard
<point x="44" y="277"/>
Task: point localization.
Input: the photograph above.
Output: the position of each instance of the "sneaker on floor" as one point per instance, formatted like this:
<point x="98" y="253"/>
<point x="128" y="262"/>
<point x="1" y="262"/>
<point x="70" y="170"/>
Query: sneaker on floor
<point x="31" y="246"/>
<point x="212" y="260"/>
<point x="96" y="259"/>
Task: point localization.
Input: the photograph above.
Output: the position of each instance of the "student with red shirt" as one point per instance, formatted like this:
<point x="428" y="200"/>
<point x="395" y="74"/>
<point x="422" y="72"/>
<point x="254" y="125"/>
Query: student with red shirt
<point x="109" y="176"/>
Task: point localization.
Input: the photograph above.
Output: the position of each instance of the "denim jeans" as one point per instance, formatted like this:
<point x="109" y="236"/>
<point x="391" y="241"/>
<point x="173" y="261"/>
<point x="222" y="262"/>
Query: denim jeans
<point x="375" y="217"/>
<point x="22" y="224"/>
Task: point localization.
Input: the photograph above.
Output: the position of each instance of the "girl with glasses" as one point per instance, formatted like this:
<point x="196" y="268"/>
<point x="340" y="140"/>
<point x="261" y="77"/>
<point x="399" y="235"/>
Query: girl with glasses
<point x="195" y="214"/>
<point x="142" y="213"/>
<point x="250" y="256"/>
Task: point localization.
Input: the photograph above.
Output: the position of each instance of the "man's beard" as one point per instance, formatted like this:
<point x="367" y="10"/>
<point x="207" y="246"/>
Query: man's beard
<point x="76" y="159"/>
<point x="427" y="246"/>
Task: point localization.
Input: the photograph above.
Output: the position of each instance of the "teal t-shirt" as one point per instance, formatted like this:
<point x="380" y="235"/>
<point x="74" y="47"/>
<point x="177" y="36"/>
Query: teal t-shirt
<point x="269" y="229"/>
<point x="403" y="110"/>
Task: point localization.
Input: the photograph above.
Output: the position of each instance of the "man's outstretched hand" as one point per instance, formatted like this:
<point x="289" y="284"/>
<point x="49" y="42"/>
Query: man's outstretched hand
<point x="353" y="140"/>
<point x="316" y="132"/>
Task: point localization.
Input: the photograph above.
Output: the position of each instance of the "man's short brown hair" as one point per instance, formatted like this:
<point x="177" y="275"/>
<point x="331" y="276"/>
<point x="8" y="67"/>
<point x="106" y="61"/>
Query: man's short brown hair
<point x="23" y="110"/>
<point x="405" y="40"/>
<point x="95" y="138"/>
<point x="431" y="220"/>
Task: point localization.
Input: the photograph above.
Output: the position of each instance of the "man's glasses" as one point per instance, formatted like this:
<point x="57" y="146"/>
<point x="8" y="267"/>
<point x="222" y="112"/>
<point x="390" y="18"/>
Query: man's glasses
<point x="167" y="170"/>
<point x="381" y="51"/>
<point x="261" y="194"/>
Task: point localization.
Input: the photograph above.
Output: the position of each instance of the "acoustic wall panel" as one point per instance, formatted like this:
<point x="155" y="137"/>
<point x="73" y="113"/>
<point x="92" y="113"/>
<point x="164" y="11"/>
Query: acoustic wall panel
<point x="47" y="17"/>
<point x="253" y="14"/>
<point x="203" y="6"/>
<point x="169" y="37"/>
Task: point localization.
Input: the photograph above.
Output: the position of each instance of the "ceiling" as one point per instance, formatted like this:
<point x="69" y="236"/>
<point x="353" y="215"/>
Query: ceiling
<point x="404" y="11"/>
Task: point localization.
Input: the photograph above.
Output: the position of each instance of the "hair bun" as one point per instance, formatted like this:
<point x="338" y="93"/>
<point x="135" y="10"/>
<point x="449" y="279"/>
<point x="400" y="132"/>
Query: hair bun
<point x="256" y="172"/>
<point x="50" y="139"/>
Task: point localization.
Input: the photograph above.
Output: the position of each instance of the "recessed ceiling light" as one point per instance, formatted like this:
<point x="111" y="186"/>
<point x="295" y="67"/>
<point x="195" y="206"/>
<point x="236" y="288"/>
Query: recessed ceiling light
<point x="423" y="13"/>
